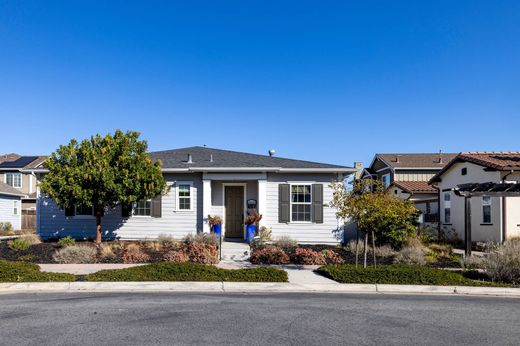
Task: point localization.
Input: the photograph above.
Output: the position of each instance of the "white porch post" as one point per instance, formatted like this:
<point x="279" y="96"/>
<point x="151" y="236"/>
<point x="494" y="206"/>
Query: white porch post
<point x="206" y="204"/>
<point x="262" y="199"/>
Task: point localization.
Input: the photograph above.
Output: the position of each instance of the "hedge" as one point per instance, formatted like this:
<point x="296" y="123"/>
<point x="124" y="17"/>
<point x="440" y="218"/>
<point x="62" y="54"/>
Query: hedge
<point x="169" y="271"/>
<point x="397" y="274"/>
<point x="28" y="272"/>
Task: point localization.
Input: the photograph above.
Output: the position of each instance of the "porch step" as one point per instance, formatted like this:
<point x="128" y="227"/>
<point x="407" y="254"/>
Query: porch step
<point x="234" y="251"/>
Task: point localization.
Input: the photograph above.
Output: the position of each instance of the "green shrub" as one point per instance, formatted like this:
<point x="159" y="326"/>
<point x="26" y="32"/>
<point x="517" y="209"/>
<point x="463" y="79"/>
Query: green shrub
<point x="19" y="244"/>
<point x="66" y="241"/>
<point x="503" y="264"/>
<point x="395" y="274"/>
<point x="169" y="271"/>
<point x="28" y="272"/>
<point x="75" y="254"/>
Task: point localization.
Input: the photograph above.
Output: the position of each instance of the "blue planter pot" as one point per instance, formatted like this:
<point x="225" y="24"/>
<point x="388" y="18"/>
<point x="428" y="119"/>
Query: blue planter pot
<point x="217" y="229"/>
<point x="250" y="232"/>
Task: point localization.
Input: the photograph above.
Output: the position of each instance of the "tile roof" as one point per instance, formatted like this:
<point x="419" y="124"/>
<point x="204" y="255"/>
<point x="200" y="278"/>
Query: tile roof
<point x="203" y="157"/>
<point x="9" y="190"/>
<point x="415" y="186"/>
<point x="424" y="160"/>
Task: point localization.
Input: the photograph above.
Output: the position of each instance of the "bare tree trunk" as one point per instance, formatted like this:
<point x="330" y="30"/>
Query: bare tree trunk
<point x="374" y="248"/>
<point x="357" y="246"/>
<point x="98" y="226"/>
<point x="366" y="250"/>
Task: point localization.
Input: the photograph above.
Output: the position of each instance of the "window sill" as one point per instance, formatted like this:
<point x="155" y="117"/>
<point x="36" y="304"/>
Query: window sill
<point x="486" y="224"/>
<point x="142" y="216"/>
<point x="300" y="222"/>
<point x="184" y="211"/>
<point x="83" y="216"/>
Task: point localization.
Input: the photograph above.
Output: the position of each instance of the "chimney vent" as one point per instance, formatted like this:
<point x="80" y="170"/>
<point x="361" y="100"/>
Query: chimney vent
<point x="440" y="156"/>
<point x="397" y="158"/>
<point x="211" y="158"/>
<point x="190" y="160"/>
<point x="272" y="152"/>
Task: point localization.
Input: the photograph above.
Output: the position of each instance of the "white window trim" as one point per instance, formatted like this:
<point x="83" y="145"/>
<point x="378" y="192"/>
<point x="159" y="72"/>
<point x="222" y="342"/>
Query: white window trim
<point x="177" y="197"/>
<point x="16" y="207"/>
<point x="82" y="216"/>
<point x="21" y="179"/>
<point x="305" y="203"/>
<point x="485" y="204"/>
<point x="447" y="205"/>
<point x="142" y="216"/>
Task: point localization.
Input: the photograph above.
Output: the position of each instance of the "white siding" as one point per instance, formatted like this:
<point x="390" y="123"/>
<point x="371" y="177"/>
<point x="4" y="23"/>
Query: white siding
<point x="327" y="232"/>
<point x="7" y="208"/>
<point x="414" y="176"/>
<point x="53" y="222"/>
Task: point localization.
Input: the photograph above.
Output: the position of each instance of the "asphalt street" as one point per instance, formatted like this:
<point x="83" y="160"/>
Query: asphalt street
<point x="256" y="319"/>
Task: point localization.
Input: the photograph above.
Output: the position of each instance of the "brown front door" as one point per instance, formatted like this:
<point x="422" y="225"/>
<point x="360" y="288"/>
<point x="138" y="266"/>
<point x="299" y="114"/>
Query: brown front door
<point x="234" y="204"/>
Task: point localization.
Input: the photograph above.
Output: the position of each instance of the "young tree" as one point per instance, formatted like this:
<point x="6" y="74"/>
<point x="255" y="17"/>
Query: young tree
<point x="102" y="172"/>
<point x="389" y="219"/>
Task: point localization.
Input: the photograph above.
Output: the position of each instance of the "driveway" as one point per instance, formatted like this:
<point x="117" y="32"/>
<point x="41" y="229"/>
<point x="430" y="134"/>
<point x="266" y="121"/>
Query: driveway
<point x="256" y="319"/>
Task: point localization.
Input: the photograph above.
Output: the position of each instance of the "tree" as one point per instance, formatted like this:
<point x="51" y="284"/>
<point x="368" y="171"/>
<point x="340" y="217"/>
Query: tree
<point x="102" y="172"/>
<point x="389" y="219"/>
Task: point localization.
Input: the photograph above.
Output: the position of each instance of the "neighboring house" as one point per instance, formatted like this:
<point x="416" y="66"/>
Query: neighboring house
<point x="10" y="205"/>
<point x="492" y="218"/>
<point x="406" y="176"/>
<point x="292" y="195"/>
<point x="18" y="172"/>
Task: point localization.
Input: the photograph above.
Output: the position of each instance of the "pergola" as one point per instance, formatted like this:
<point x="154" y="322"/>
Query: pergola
<point x="478" y="190"/>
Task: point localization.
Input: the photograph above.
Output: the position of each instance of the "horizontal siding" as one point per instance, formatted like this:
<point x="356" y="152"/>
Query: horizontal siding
<point x="53" y="222"/>
<point x="326" y="233"/>
<point x="6" y="211"/>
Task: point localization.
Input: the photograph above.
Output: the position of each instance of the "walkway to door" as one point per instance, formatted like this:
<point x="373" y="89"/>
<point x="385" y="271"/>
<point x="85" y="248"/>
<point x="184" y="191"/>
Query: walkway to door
<point x="235" y="251"/>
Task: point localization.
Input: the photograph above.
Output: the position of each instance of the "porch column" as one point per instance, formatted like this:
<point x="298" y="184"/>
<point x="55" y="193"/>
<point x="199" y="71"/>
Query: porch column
<point x="206" y="204"/>
<point x="262" y="199"/>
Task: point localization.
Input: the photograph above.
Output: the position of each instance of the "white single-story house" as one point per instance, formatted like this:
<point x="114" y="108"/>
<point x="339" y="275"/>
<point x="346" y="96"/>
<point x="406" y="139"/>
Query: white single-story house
<point x="11" y="205"/>
<point x="492" y="218"/>
<point x="292" y="195"/>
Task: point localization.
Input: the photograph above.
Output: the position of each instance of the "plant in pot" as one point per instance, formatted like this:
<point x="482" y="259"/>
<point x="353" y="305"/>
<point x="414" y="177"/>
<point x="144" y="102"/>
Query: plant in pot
<point x="215" y="222"/>
<point x="251" y="221"/>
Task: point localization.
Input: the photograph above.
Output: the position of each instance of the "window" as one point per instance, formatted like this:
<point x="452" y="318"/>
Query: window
<point x="447" y="208"/>
<point x="142" y="208"/>
<point x="83" y="210"/>
<point x="301" y="203"/>
<point x="386" y="180"/>
<point x="464" y="171"/>
<point x="16" y="207"/>
<point x="184" y="196"/>
<point x="14" y="179"/>
<point x="486" y="209"/>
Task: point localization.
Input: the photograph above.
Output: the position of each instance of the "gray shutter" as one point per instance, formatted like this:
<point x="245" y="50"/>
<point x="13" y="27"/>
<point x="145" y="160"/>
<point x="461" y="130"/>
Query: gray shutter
<point x="284" y="203"/>
<point x="156" y="206"/>
<point x="317" y="203"/>
<point x="70" y="211"/>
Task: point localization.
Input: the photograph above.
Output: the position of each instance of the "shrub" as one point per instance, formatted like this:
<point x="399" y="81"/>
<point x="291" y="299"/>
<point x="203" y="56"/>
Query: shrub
<point x="308" y="256"/>
<point x="169" y="271"/>
<point x="265" y="233"/>
<point x="154" y="246"/>
<point x="33" y="239"/>
<point x="411" y="255"/>
<point x="201" y="238"/>
<point x="75" y="254"/>
<point x="503" y="264"/>
<point x="28" y="272"/>
<point x="19" y="244"/>
<point x="286" y="243"/>
<point x="381" y="251"/>
<point x="331" y="257"/>
<point x="396" y="274"/>
<point x="176" y="256"/>
<point x="202" y="253"/>
<point x="385" y="251"/>
<point x="132" y="253"/>
<point x="472" y="262"/>
<point x="167" y="241"/>
<point x="66" y="241"/>
<point x="6" y="226"/>
<point x="443" y="250"/>
<point x="106" y="251"/>
<point x="269" y="255"/>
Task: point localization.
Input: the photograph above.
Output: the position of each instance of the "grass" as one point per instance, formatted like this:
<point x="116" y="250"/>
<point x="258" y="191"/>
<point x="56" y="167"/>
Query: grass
<point x="169" y="271"/>
<point x="398" y="274"/>
<point x="28" y="272"/>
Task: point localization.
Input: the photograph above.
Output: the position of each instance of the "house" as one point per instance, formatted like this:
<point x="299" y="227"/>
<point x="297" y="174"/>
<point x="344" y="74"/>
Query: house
<point x="292" y="195"/>
<point x="10" y="205"/>
<point x="18" y="172"/>
<point x="406" y="176"/>
<point x="492" y="218"/>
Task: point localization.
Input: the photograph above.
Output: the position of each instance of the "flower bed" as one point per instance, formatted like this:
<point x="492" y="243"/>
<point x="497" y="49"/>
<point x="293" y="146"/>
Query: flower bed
<point x="169" y="271"/>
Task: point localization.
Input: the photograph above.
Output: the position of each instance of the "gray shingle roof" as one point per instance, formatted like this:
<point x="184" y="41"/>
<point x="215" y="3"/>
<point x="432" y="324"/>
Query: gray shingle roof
<point x="417" y="160"/>
<point x="8" y="190"/>
<point x="202" y="158"/>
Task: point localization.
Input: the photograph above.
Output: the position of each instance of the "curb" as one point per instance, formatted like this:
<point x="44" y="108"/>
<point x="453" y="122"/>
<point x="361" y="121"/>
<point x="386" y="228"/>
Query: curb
<point x="255" y="287"/>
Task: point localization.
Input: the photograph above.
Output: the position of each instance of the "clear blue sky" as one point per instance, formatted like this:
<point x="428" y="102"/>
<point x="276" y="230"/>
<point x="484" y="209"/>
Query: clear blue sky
<point x="325" y="81"/>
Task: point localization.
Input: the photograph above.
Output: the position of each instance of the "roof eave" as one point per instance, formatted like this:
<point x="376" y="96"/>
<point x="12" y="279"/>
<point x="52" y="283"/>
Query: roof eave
<point x="13" y="194"/>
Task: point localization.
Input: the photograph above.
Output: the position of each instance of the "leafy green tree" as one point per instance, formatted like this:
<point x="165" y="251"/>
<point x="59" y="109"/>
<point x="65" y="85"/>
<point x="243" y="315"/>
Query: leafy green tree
<point x="102" y="172"/>
<point x="390" y="220"/>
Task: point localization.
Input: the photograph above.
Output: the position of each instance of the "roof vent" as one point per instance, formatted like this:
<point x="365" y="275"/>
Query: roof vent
<point x="190" y="159"/>
<point x="397" y="158"/>
<point x="440" y="156"/>
<point x="272" y="152"/>
<point x="211" y="158"/>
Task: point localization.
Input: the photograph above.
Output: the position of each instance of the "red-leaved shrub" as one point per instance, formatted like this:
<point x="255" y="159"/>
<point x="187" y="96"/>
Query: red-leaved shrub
<point x="269" y="255"/>
<point x="331" y="257"/>
<point x="177" y="256"/>
<point x="135" y="256"/>
<point x="202" y="253"/>
<point x="308" y="256"/>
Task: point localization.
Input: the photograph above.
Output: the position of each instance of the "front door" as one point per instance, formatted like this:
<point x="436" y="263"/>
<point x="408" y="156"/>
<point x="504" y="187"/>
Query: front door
<point x="234" y="204"/>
